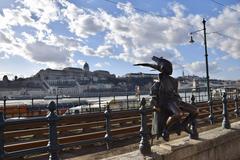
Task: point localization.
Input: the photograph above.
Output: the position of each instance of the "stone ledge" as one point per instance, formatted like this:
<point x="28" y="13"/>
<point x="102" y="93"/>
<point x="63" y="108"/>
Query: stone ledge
<point x="218" y="143"/>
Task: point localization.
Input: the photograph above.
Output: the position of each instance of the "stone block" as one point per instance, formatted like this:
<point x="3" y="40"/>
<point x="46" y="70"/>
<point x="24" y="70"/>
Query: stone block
<point x="215" y="144"/>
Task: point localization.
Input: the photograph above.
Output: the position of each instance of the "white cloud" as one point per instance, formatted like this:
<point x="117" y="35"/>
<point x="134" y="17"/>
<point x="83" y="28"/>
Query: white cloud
<point x="199" y="68"/>
<point x="131" y="36"/>
<point x="81" y="63"/>
<point x="126" y="7"/>
<point x="104" y="50"/>
<point x="80" y="22"/>
<point x="9" y="44"/>
<point x="101" y="51"/>
<point x="13" y="17"/>
<point x="10" y="75"/>
<point x="138" y="36"/>
<point x="3" y="55"/>
<point x="178" y="9"/>
<point x="226" y="23"/>
<point x="43" y="11"/>
<point x="44" y="53"/>
<point x="101" y="65"/>
<point x="142" y="36"/>
<point x="4" y="38"/>
<point x="68" y="43"/>
<point x="222" y="58"/>
<point x="234" y="69"/>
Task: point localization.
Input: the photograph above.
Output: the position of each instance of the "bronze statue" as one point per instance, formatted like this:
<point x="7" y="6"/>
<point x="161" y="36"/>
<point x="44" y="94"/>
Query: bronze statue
<point x="167" y="104"/>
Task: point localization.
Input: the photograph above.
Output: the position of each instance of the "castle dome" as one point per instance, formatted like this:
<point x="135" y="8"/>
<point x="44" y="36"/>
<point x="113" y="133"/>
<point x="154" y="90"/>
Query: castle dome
<point x="86" y="67"/>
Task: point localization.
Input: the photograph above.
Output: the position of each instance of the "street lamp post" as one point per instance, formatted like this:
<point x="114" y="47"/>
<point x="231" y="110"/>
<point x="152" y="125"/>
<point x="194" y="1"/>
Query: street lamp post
<point x="206" y="58"/>
<point x="211" y="116"/>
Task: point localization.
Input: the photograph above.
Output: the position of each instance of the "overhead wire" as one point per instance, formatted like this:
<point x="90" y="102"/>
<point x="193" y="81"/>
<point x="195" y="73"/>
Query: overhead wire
<point x="224" y="35"/>
<point x="138" y="9"/>
<point x="147" y="12"/>
<point x="223" y="5"/>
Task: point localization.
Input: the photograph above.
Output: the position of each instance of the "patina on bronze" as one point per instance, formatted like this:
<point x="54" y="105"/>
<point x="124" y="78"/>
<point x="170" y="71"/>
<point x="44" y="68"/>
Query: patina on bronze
<point x="167" y="104"/>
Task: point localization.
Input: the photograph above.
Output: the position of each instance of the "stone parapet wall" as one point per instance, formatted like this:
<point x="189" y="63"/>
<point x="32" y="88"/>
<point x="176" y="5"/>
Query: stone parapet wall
<point x="215" y="144"/>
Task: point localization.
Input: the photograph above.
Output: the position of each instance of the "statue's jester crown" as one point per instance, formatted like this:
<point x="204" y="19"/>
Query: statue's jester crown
<point x="163" y="65"/>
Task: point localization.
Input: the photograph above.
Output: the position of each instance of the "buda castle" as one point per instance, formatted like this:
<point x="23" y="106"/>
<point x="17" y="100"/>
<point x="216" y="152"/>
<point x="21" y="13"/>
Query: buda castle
<point x="70" y="82"/>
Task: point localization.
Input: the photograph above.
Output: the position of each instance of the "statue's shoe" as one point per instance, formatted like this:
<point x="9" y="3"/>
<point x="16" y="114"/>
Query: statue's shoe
<point x="194" y="135"/>
<point x="165" y="135"/>
<point x="176" y="128"/>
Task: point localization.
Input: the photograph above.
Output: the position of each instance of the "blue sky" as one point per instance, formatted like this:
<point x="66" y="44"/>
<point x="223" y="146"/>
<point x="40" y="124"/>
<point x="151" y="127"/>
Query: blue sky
<point x="113" y="35"/>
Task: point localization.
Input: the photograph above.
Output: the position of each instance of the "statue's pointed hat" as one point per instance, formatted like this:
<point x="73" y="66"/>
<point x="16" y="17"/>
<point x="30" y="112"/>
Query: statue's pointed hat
<point x="163" y="65"/>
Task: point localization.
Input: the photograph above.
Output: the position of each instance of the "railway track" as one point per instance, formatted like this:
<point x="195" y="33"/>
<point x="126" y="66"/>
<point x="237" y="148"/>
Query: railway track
<point x="85" y="129"/>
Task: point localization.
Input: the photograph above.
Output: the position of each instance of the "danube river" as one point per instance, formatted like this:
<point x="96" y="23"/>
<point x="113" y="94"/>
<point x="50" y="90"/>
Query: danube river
<point x="201" y="96"/>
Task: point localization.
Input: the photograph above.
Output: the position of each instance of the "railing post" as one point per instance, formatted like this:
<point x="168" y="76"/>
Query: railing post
<point x="32" y="102"/>
<point x="19" y="111"/>
<point x="108" y="135"/>
<point x="2" y="123"/>
<point x="185" y="95"/>
<point x="52" y="123"/>
<point x="194" y="134"/>
<point x="144" y="145"/>
<point x="99" y="102"/>
<point x="236" y="111"/>
<point x="89" y="106"/>
<point x="57" y="104"/>
<point x="199" y="95"/>
<point x="79" y="101"/>
<point x="193" y="100"/>
<point x="225" y="123"/>
<point x="4" y="106"/>
<point x="127" y="102"/>
<point x="211" y="116"/>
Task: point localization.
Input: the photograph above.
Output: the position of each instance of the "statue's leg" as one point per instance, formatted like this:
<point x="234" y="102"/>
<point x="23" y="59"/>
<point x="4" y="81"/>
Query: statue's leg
<point x="172" y="120"/>
<point x="188" y="108"/>
<point x="163" y="117"/>
<point x="190" y="119"/>
<point x="176" y="114"/>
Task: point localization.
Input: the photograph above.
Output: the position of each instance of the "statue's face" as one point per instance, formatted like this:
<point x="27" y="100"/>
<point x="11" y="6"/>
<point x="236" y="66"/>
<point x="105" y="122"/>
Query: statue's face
<point x="166" y="69"/>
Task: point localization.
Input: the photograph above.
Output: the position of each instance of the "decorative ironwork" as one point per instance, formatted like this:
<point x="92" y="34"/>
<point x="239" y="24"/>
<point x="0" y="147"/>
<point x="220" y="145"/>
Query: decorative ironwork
<point x="144" y="145"/>
<point x="108" y="135"/>
<point x="2" y="152"/>
<point x="52" y="120"/>
<point x="225" y="123"/>
<point x="236" y="111"/>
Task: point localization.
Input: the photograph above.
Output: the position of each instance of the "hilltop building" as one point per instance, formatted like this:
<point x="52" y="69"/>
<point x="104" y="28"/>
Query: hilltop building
<point x="73" y="82"/>
<point x="83" y="82"/>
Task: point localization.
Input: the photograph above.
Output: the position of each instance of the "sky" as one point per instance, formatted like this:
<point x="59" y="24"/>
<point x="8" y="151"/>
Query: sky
<point x="113" y="35"/>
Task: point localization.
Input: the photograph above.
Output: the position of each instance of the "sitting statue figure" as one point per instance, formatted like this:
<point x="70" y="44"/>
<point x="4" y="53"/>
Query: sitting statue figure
<point x="167" y="104"/>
